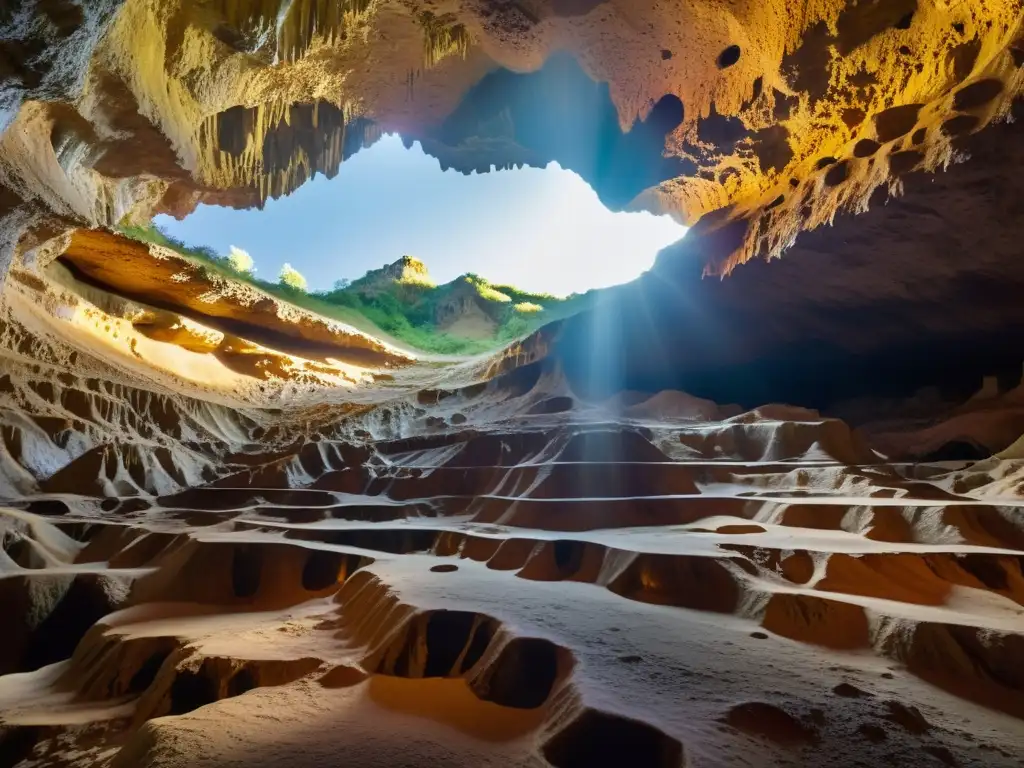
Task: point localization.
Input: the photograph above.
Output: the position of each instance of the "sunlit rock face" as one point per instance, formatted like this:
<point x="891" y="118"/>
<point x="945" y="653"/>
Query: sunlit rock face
<point x="768" y="520"/>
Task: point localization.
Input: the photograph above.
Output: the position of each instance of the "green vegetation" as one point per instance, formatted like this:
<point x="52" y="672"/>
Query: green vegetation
<point x="398" y="299"/>
<point x="240" y="261"/>
<point x="292" y="278"/>
<point x="527" y="307"/>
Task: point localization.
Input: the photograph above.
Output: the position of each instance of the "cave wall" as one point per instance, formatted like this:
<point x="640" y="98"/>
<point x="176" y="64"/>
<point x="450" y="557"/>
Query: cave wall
<point x="922" y="289"/>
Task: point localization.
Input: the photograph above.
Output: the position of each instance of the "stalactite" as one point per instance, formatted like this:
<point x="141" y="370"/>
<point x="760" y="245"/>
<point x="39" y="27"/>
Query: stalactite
<point x="274" y="148"/>
<point x="442" y="38"/>
<point x="252" y="19"/>
<point x="296" y="24"/>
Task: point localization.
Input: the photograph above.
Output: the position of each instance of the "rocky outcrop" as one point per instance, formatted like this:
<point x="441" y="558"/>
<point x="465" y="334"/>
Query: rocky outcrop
<point x="462" y="309"/>
<point x="166" y="280"/>
<point x="407" y="270"/>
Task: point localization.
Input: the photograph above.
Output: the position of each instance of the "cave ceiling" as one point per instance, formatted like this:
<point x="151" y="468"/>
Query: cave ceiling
<point x="773" y="117"/>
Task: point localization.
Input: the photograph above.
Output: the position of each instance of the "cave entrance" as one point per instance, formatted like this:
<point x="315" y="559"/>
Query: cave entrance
<point x="439" y="260"/>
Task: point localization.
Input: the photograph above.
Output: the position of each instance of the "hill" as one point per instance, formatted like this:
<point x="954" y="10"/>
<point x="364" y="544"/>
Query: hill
<point x="468" y="315"/>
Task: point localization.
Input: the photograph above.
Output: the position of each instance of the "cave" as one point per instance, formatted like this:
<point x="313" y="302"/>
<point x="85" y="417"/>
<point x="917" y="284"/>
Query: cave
<point x="755" y="501"/>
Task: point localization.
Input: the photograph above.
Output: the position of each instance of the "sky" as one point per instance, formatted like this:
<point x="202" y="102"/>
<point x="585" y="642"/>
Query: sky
<point x="538" y="229"/>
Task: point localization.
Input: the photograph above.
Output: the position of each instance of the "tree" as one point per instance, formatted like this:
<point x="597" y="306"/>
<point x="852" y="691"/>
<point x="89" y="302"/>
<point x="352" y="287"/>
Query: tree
<point x="341" y="285"/>
<point x="292" y="278"/>
<point x="240" y="261"/>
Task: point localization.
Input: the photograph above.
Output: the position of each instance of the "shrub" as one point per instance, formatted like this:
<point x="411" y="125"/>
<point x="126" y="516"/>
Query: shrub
<point x="240" y="261"/>
<point x="292" y="278"/>
<point x="527" y="307"/>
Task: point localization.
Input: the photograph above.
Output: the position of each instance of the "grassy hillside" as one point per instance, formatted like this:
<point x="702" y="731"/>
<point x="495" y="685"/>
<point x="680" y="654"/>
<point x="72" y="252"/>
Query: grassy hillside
<point x="401" y="300"/>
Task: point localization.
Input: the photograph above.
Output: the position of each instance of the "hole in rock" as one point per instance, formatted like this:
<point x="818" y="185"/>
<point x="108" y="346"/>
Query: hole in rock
<point x="447" y="635"/>
<point x="905" y="161"/>
<point x="241" y="682"/>
<point x="957" y="450"/>
<point x="865" y="148"/>
<point x="837" y="174"/>
<point x="860" y="22"/>
<point x="147" y="673"/>
<point x="441" y="644"/>
<point x="771" y="146"/>
<point x="523" y="674"/>
<point x="991" y="573"/>
<point x="977" y="94"/>
<point x="722" y="130"/>
<point x="728" y="57"/>
<point x="603" y="740"/>
<point x="960" y="125"/>
<point x="1017" y="52"/>
<point x="559" y="404"/>
<point x="898" y="121"/>
<point x="568" y="555"/>
<point x="17" y="744"/>
<point x="853" y="116"/>
<point x="48" y="507"/>
<point x="322" y="569"/>
<point x="246" y="570"/>
<point x="89" y="598"/>
<point x="192" y="690"/>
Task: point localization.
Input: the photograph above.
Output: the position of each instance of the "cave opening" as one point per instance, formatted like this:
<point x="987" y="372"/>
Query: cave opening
<point x="437" y="260"/>
<point x="453" y="237"/>
<point x="540" y="225"/>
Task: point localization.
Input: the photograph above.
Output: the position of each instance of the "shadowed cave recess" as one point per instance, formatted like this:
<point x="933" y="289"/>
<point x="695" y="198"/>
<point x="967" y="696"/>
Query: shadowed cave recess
<point x="759" y="507"/>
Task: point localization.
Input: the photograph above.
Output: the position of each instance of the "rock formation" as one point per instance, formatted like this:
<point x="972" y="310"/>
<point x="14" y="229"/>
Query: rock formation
<point x="235" y="532"/>
<point x="777" y="119"/>
<point x="406" y="270"/>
